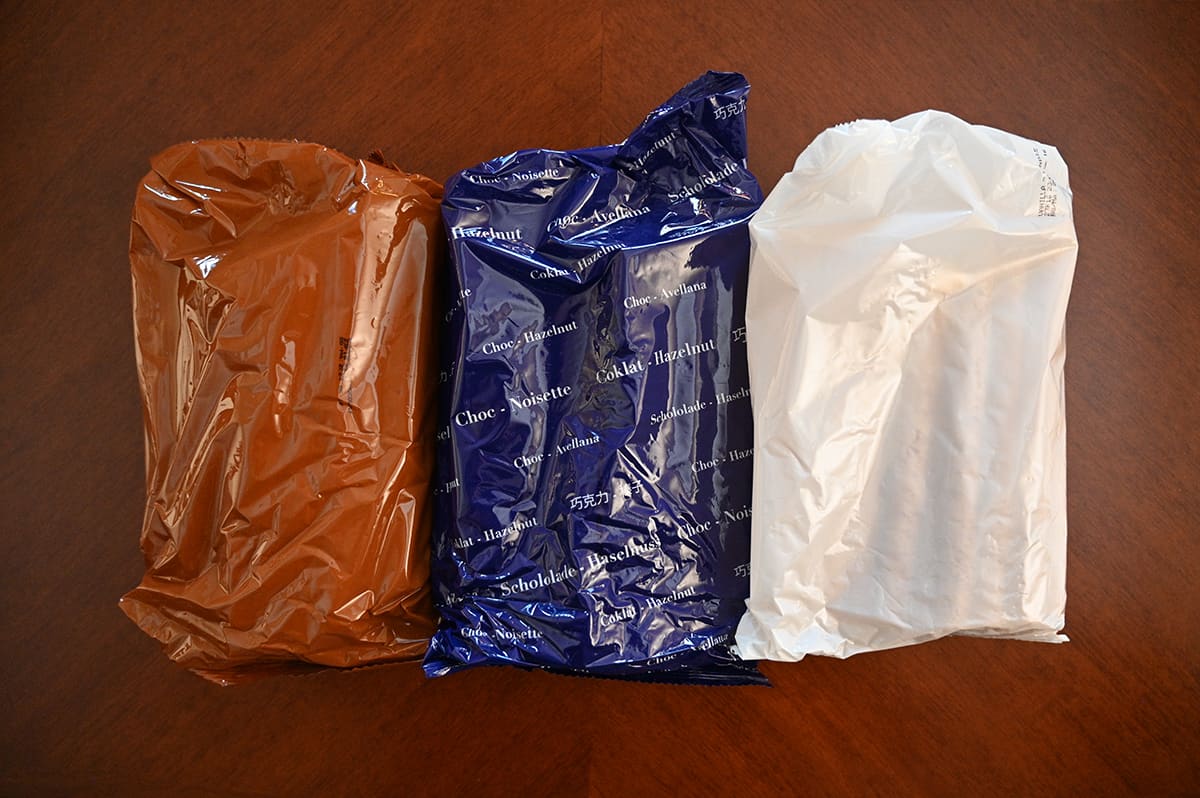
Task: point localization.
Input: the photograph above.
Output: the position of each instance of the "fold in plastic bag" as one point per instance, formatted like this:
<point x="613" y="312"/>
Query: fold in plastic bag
<point x="907" y="294"/>
<point x="283" y="316"/>
<point x="595" y="467"/>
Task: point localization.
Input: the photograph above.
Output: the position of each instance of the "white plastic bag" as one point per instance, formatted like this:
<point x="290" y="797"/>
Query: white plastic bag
<point x="907" y="291"/>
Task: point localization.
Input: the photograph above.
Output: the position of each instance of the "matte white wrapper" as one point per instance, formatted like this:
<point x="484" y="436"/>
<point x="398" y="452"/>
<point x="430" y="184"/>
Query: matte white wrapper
<point x="908" y="286"/>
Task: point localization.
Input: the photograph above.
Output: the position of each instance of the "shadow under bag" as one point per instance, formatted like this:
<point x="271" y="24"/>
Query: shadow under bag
<point x="594" y="497"/>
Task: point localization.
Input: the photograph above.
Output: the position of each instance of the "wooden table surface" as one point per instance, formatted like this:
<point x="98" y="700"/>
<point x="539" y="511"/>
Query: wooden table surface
<point x="90" y="92"/>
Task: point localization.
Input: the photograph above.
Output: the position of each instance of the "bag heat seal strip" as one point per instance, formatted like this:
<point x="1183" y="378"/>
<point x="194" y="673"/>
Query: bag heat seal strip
<point x="593" y="512"/>
<point x="908" y="289"/>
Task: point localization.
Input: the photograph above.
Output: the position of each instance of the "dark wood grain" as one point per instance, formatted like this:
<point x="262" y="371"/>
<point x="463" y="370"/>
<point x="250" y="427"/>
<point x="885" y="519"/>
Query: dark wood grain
<point x="91" y="706"/>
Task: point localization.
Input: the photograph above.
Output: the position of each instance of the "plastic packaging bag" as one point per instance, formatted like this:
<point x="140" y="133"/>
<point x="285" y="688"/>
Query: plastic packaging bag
<point x="905" y="320"/>
<point x="283" y="310"/>
<point x="595" y="467"/>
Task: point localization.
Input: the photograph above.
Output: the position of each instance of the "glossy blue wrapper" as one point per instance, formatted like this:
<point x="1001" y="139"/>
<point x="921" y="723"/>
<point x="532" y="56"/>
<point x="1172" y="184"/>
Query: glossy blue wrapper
<point x="593" y="511"/>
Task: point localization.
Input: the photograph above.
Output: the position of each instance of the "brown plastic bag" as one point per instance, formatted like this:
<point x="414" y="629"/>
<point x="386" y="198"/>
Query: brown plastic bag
<point x="283" y="309"/>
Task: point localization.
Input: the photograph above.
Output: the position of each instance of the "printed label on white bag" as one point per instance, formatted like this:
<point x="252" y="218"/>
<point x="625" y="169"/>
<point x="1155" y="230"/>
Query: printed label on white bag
<point x="1048" y="190"/>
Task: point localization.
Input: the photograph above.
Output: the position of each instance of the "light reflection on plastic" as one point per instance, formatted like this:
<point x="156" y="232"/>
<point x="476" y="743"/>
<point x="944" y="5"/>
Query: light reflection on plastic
<point x="207" y="264"/>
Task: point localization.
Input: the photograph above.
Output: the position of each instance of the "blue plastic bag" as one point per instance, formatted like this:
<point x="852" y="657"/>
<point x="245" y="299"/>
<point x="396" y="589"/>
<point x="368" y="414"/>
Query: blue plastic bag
<point x="594" y="505"/>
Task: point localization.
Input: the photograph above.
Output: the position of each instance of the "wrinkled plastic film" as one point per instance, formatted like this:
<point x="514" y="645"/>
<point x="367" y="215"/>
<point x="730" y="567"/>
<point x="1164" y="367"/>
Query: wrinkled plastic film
<point x="907" y="295"/>
<point x="283" y="311"/>
<point x="594" y="492"/>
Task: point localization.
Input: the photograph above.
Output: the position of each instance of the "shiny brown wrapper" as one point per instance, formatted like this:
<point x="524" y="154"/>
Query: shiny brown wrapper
<point x="284" y="315"/>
